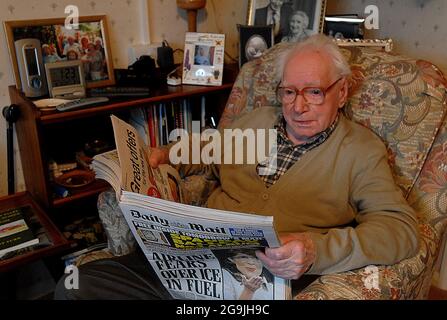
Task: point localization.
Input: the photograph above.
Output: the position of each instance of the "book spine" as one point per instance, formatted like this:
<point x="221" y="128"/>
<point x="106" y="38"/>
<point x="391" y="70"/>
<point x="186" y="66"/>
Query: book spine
<point x="150" y="122"/>
<point x="203" y="112"/>
<point x="156" y="130"/>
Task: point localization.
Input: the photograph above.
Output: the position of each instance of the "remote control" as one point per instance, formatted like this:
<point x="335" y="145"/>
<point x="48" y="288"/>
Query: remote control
<point x="81" y="103"/>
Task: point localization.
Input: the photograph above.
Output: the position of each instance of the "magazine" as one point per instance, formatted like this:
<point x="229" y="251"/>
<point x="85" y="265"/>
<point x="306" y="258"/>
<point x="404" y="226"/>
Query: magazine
<point x="197" y="252"/>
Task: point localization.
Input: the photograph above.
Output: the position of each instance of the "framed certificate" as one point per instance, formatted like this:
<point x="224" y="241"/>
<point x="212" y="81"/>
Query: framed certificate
<point x="203" y="58"/>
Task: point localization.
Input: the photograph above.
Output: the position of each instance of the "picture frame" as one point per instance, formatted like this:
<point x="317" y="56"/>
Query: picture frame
<point x="384" y="44"/>
<point x="347" y="26"/>
<point x="203" y="59"/>
<point x="298" y="19"/>
<point x="253" y="42"/>
<point x="89" y="43"/>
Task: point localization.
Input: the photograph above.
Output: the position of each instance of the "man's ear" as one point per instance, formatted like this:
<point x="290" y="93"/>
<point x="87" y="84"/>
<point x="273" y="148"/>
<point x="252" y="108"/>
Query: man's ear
<point x="343" y="93"/>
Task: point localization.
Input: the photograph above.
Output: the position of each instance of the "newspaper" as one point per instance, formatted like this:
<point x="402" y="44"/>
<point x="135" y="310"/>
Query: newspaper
<point x="197" y="253"/>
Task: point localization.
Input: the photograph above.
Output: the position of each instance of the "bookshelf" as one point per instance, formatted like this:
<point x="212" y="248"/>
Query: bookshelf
<point x="44" y="135"/>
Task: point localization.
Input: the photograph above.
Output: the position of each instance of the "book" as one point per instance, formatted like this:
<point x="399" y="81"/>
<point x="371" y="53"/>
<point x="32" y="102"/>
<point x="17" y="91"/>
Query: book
<point x="15" y="233"/>
<point x="197" y="252"/>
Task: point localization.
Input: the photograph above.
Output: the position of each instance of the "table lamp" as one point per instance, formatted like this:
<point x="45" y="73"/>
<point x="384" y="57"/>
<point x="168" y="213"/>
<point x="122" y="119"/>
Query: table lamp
<point x="191" y="6"/>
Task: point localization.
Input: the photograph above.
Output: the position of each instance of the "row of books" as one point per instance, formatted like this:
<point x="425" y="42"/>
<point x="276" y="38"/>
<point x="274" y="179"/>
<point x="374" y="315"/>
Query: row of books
<point x="155" y="122"/>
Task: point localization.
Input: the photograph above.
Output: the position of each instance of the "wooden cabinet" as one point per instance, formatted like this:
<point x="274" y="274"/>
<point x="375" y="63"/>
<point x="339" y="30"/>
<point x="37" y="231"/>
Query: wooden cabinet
<point x="42" y="135"/>
<point x="55" y="240"/>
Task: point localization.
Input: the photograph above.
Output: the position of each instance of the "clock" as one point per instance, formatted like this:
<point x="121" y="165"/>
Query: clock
<point x="66" y="79"/>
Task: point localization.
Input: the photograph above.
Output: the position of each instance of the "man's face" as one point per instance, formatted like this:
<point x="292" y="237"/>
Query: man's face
<point x="304" y="120"/>
<point x="276" y="4"/>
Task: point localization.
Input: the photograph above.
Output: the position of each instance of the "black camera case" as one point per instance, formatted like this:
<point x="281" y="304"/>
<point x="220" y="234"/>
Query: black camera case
<point x="165" y="56"/>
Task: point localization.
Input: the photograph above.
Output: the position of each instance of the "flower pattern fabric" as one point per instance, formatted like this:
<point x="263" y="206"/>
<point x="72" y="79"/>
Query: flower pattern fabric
<point x="403" y="101"/>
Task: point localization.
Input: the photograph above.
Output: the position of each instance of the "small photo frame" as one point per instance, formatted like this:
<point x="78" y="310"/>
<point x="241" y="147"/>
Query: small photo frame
<point x="203" y="59"/>
<point x="253" y="42"/>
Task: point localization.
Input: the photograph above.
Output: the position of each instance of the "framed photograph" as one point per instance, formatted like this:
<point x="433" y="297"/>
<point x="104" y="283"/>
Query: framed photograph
<point x="383" y="44"/>
<point x="203" y="59"/>
<point x="349" y="26"/>
<point x="88" y="43"/>
<point x="253" y="41"/>
<point x="292" y="20"/>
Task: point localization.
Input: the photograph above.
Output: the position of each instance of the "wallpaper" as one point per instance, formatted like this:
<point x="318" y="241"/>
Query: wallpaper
<point x="168" y="22"/>
<point x="128" y="24"/>
<point x="416" y="26"/>
<point x="124" y="29"/>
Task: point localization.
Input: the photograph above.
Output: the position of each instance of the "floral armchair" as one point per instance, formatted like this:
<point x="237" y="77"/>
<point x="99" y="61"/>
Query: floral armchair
<point x="403" y="101"/>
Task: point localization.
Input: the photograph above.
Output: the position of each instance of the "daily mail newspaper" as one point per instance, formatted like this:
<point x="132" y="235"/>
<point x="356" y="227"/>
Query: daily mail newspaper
<point x="197" y="253"/>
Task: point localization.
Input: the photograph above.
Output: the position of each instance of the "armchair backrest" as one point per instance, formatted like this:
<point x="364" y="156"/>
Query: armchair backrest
<point x="402" y="100"/>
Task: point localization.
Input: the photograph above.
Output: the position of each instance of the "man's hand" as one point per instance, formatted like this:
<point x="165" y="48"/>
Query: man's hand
<point x="296" y="254"/>
<point x="158" y="156"/>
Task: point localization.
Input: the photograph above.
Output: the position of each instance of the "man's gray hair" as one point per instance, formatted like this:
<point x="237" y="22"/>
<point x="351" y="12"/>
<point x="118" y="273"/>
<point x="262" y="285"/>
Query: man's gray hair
<point x="319" y="43"/>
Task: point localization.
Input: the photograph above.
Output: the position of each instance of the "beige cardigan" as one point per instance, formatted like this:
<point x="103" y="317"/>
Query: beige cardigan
<point x="341" y="192"/>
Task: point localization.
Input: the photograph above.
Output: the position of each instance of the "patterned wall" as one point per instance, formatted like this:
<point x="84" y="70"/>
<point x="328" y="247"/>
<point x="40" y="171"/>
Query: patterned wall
<point x="417" y="27"/>
<point x="124" y="30"/>
<point x="219" y="16"/>
<point x="126" y="18"/>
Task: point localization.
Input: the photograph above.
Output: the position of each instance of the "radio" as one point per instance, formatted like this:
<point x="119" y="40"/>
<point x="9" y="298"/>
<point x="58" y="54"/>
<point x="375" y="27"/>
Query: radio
<point x="31" y="69"/>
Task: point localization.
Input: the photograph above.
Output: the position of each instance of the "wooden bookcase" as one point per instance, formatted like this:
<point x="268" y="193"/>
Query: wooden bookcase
<point x="41" y="134"/>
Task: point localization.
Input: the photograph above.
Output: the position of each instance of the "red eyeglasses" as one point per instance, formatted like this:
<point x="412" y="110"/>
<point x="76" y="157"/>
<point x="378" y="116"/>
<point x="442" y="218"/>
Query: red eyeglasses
<point x="312" y="95"/>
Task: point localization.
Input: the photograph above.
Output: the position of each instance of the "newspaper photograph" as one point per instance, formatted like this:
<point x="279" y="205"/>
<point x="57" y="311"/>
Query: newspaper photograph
<point x="197" y="258"/>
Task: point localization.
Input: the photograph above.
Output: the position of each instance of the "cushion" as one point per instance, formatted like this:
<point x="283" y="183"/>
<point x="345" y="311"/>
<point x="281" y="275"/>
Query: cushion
<point x="403" y="101"/>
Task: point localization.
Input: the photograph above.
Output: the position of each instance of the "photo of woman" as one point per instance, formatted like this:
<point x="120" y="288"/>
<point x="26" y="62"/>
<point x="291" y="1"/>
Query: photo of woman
<point x="292" y="20"/>
<point x="253" y="42"/>
<point x="244" y="276"/>
<point x="298" y="23"/>
<point x="255" y="47"/>
<point x="203" y="56"/>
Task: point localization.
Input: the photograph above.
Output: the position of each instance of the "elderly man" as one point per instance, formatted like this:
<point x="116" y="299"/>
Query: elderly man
<point x="332" y="193"/>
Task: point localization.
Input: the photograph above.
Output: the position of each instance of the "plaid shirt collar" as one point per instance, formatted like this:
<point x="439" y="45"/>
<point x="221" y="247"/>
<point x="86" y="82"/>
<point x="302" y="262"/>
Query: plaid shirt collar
<point x="287" y="153"/>
<point x="311" y="143"/>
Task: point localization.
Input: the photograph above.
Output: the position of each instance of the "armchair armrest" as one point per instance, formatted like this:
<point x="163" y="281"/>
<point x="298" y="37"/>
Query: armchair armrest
<point x="119" y="237"/>
<point x="408" y="279"/>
